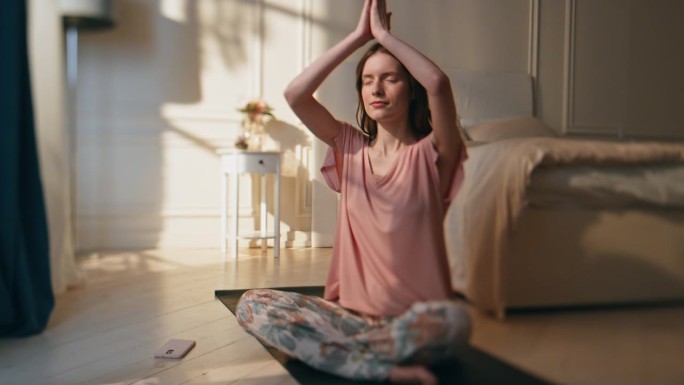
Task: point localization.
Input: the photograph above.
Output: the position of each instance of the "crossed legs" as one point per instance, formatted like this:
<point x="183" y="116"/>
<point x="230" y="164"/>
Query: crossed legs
<point x="331" y="338"/>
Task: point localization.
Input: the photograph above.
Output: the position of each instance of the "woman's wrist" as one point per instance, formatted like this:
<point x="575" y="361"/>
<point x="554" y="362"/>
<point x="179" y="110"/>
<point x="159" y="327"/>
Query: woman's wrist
<point x="360" y="37"/>
<point x="381" y="36"/>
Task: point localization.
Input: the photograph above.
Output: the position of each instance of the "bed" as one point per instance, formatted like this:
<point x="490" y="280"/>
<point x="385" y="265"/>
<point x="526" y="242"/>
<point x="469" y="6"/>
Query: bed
<point x="547" y="221"/>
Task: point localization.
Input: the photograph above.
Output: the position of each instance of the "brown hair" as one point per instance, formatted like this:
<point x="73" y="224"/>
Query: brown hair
<point x="419" y="110"/>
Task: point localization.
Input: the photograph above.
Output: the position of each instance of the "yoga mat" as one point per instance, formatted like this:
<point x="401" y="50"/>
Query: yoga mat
<point x="471" y="367"/>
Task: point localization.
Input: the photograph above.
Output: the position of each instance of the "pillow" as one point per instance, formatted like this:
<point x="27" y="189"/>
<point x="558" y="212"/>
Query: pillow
<point x="516" y="127"/>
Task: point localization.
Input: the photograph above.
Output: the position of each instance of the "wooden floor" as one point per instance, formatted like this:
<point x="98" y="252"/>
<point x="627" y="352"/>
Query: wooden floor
<point x="107" y="331"/>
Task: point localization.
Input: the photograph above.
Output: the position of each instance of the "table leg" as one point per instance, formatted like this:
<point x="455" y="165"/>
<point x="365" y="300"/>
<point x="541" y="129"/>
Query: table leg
<point x="224" y="213"/>
<point x="234" y="203"/>
<point x="264" y="212"/>
<point x="276" y="209"/>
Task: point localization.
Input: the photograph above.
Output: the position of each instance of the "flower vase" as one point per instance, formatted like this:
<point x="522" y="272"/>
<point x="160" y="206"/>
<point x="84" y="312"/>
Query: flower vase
<point x="253" y="136"/>
<point x="242" y="141"/>
<point x="254" y="129"/>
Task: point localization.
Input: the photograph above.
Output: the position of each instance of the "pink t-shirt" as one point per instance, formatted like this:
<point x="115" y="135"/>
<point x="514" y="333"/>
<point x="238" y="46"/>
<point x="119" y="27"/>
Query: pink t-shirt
<point x="389" y="247"/>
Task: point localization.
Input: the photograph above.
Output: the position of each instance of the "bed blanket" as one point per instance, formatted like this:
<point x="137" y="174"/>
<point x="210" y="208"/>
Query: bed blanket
<point x="479" y="223"/>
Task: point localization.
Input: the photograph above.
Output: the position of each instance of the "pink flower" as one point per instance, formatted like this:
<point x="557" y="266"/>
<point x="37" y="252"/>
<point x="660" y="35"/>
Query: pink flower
<point x="256" y="107"/>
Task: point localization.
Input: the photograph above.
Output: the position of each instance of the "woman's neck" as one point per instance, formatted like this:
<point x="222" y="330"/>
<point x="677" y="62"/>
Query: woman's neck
<point x="391" y="140"/>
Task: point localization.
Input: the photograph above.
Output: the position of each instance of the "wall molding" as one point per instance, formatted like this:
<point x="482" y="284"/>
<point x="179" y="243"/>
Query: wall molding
<point x="130" y="212"/>
<point x="568" y="123"/>
<point x="568" y="68"/>
<point x="533" y="50"/>
<point x="257" y="83"/>
<point x="533" y="45"/>
<point x="305" y="33"/>
<point x="303" y="183"/>
<point x="163" y="141"/>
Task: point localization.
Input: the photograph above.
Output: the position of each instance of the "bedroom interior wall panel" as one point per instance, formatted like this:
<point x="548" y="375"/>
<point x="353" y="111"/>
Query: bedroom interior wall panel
<point x="655" y="96"/>
<point x="489" y="35"/>
<point x="549" y="87"/>
<point x="157" y="96"/>
<point x="618" y="74"/>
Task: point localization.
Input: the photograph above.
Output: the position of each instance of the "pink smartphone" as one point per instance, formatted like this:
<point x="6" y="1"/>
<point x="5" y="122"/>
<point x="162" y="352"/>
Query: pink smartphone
<point x="175" y="349"/>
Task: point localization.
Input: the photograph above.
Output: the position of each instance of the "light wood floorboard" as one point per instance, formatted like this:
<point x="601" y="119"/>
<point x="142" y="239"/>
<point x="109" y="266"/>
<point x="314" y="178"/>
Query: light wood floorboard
<point x="132" y="302"/>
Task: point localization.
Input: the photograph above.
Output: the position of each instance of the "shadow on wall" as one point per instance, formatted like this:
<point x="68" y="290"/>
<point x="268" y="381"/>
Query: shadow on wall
<point x="295" y="175"/>
<point x="137" y="160"/>
<point x="227" y="18"/>
<point x="287" y="135"/>
<point x="128" y="72"/>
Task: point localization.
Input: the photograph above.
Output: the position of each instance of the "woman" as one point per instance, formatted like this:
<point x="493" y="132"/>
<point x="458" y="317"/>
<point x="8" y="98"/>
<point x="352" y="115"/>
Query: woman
<point x="387" y="311"/>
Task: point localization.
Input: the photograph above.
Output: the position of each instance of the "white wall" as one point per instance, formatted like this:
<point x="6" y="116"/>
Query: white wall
<point x="612" y="67"/>
<point x="158" y="94"/>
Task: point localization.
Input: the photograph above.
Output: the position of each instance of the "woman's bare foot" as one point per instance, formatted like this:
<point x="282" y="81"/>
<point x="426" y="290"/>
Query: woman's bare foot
<point x="415" y="374"/>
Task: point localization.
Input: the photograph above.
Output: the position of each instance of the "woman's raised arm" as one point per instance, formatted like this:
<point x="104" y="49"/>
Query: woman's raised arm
<point x="446" y="135"/>
<point x="299" y="93"/>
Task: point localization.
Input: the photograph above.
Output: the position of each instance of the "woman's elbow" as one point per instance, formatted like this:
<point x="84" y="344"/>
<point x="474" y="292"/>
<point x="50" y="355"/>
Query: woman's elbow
<point x="438" y="84"/>
<point x="290" y="96"/>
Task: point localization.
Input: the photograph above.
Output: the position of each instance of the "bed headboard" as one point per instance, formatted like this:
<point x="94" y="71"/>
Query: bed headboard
<point x="483" y="95"/>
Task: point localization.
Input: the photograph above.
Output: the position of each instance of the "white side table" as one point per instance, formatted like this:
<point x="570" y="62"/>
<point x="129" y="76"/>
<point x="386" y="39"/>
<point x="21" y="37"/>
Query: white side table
<point x="233" y="163"/>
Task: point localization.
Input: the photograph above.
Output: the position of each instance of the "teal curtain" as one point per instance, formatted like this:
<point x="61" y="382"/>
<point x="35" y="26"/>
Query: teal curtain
<point x="26" y="297"/>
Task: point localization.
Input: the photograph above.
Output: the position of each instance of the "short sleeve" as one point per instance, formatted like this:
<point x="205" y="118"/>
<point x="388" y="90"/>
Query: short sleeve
<point x="458" y="175"/>
<point x="333" y="161"/>
<point x="332" y="169"/>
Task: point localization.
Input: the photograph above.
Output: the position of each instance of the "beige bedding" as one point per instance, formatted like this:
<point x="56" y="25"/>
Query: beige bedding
<point x="591" y="186"/>
<point x="481" y="220"/>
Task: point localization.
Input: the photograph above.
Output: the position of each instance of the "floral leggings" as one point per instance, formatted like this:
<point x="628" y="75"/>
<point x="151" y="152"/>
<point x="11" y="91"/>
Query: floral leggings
<point x="333" y="339"/>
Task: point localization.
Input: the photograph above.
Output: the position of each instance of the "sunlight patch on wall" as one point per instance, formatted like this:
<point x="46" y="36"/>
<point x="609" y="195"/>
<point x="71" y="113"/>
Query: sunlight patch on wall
<point x="174" y="10"/>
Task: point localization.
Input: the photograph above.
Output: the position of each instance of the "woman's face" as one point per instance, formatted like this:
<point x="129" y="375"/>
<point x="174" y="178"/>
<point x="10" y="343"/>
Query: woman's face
<point x="385" y="89"/>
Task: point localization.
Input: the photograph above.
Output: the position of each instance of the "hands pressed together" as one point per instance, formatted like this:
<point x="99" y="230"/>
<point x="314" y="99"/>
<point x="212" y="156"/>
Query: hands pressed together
<point x="374" y="20"/>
